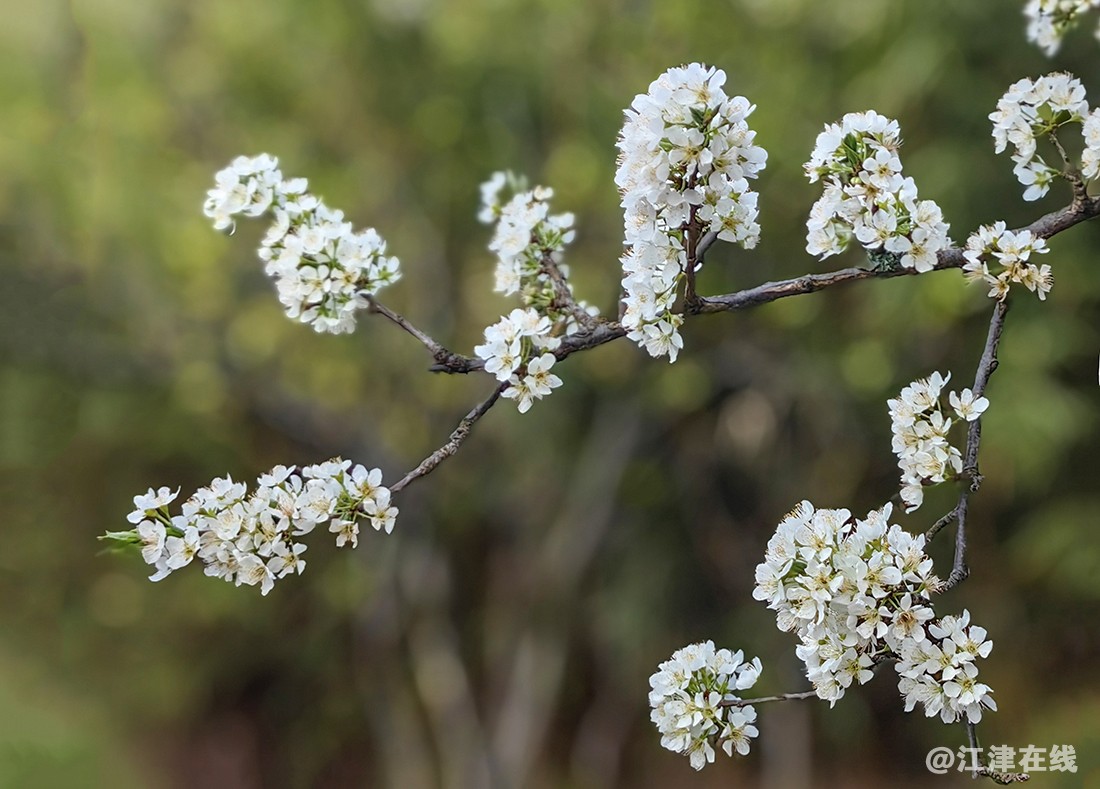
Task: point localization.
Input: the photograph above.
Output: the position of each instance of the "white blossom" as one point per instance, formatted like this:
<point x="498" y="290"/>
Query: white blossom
<point x="941" y="672"/>
<point x="516" y="351"/>
<point x="1049" y="20"/>
<point x="851" y="590"/>
<point x="252" y="538"/>
<point x="856" y="591"/>
<point x="920" y="430"/>
<point x="151" y="500"/>
<point x="1033" y="110"/>
<point x="324" y="270"/>
<point x="529" y="243"/>
<point x="967" y="407"/>
<point x="1090" y="156"/>
<point x="686" y="156"/>
<point x="692" y="695"/>
<point x="866" y="197"/>
<point x="1000" y="257"/>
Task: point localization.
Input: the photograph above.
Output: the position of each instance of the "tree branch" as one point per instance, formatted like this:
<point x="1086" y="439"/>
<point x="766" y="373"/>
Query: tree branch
<point x="444" y="359"/>
<point x="600" y="331"/>
<point x="705" y="243"/>
<point x="986" y="366"/>
<point x="1046" y="226"/>
<point x="806" y="694"/>
<point x="428" y="464"/>
<point x="1004" y="779"/>
<point x="604" y="331"/>
<point x="936" y="527"/>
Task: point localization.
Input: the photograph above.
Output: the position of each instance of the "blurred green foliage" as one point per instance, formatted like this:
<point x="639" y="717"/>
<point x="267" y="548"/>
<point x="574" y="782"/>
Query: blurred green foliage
<point x="504" y="633"/>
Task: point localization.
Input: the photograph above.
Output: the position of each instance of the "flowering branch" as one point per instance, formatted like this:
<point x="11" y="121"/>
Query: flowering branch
<point x="605" y="331"/>
<point x="857" y="592"/>
<point x="563" y="300"/>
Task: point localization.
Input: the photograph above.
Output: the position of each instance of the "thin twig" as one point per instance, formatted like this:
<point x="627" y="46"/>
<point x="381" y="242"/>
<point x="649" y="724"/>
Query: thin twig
<point x="1070" y="171"/>
<point x="428" y="464"/>
<point x="806" y="694"/>
<point x="381" y="309"/>
<point x="563" y="294"/>
<point x="972" y="738"/>
<point x="981" y="769"/>
<point x="705" y="243"/>
<point x="986" y="366"/>
<point x="1004" y="779"/>
<point x="691" y="247"/>
<point x="444" y="359"/>
<point x="936" y="527"/>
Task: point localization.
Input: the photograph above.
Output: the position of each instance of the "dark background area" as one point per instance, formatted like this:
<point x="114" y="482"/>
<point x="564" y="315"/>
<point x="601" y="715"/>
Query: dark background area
<point x="508" y="626"/>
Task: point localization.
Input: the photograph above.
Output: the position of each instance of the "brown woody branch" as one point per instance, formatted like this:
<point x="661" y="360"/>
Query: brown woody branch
<point x="600" y="331"/>
<point x="806" y="694"/>
<point x="428" y="464"/>
<point x="444" y="359"/>
<point x="986" y="366"/>
<point x="563" y="294"/>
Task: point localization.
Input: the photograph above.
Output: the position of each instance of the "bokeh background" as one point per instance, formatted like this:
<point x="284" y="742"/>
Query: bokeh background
<point x="504" y="633"/>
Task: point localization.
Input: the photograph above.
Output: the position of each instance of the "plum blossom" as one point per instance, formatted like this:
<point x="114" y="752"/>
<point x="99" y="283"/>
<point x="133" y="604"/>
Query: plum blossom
<point x="324" y="270"/>
<point x="1049" y="20"/>
<point x="693" y="697"/>
<point x="1032" y="110"/>
<point x="251" y="539"/>
<point x="686" y="157"/>
<point x="866" y="197"/>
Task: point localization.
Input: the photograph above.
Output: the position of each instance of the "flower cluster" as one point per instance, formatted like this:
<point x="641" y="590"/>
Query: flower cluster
<point x="691" y="695"/>
<point x="1032" y="110"/>
<point x="517" y="350"/>
<point x="1049" y="20"/>
<point x="920" y="430"/>
<point x="686" y="158"/>
<point x="528" y="242"/>
<point x="253" y="538"/>
<point x="1012" y="252"/>
<point x="323" y="269"/>
<point x="858" y="592"/>
<point x="940" y="671"/>
<point x="852" y="590"/>
<point x="866" y="196"/>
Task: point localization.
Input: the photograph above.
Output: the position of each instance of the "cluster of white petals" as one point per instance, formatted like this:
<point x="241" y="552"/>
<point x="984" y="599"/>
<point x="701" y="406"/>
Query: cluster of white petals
<point x="527" y="239"/>
<point x="1049" y="20"/>
<point x="1011" y="251"/>
<point x="1034" y="110"/>
<point x="323" y="269"/>
<point x="866" y="196"/>
<point x="691" y="695"/>
<point x="253" y="538"/>
<point x="852" y="590"/>
<point x="686" y="158"/>
<point x="857" y="593"/>
<point x="518" y="351"/>
<point x="940" y="671"/>
<point x="920" y="434"/>
<point x="1090" y="156"/>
